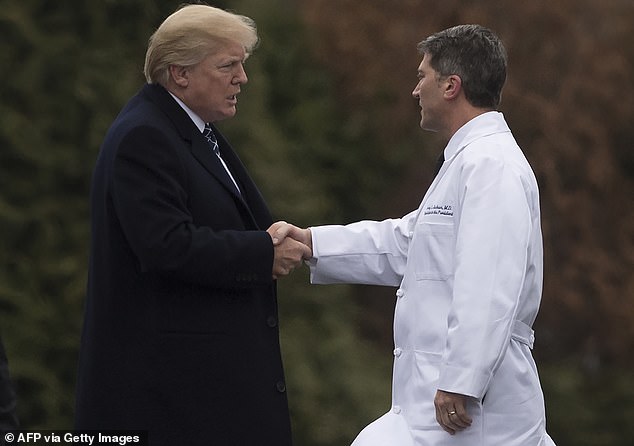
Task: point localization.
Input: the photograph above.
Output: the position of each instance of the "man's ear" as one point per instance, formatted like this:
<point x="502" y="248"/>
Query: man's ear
<point x="179" y="74"/>
<point x="453" y="86"/>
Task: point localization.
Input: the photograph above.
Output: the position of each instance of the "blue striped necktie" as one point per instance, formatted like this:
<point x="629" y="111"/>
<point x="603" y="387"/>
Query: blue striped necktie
<point x="211" y="139"/>
<point x="213" y="143"/>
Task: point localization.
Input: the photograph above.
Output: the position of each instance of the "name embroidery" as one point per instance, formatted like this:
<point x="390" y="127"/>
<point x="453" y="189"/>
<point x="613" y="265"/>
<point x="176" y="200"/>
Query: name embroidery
<point x="439" y="209"/>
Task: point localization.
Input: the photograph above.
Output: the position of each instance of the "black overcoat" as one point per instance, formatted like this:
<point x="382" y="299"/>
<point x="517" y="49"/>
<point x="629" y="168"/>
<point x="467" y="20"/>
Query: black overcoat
<point x="180" y="334"/>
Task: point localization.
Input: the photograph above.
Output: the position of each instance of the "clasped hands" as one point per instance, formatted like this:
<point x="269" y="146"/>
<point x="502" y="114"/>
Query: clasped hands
<point x="292" y="245"/>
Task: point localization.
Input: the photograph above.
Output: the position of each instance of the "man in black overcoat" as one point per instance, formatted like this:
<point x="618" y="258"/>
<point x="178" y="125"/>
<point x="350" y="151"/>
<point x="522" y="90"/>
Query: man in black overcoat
<point x="180" y="335"/>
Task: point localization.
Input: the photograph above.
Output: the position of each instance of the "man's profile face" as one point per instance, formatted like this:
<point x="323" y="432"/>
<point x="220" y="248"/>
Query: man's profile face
<point x="214" y="83"/>
<point x="429" y="92"/>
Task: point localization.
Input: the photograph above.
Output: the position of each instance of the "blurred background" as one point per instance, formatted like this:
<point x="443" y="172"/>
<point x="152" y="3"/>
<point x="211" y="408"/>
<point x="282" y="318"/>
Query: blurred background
<point x="329" y="130"/>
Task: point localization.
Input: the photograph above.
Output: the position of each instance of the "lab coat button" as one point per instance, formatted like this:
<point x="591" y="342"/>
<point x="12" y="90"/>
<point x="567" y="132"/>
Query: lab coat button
<point x="396" y="409"/>
<point x="398" y="351"/>
<point x="400" y="293"/>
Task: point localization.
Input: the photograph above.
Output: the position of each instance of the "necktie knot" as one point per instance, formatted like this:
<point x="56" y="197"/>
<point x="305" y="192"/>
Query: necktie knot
<point x="211" y="139"/>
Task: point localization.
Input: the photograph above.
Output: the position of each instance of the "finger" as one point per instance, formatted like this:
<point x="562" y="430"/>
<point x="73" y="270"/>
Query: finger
<point x="276" y="225"/>
<point x="454" y="423"/>
<point x="446" y="425"/>
<point x="451" y="421"/>
<point x="281" y="271"/>
<point x="274" y="228"/>
<point x="457" y="418"/>
<point x="281" y="232"/>
<point x="443" y="420"/>
<point x="297" y="251"/>
<point x="307" y="252"/>
<point x="461" y="418"/>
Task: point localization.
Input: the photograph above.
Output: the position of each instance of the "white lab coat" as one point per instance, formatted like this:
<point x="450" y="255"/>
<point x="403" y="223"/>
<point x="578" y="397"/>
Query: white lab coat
<point x="468" y="267"/>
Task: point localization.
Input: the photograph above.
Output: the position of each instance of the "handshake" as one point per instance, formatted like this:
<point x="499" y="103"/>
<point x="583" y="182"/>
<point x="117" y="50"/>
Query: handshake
<point x="292" y="245"/>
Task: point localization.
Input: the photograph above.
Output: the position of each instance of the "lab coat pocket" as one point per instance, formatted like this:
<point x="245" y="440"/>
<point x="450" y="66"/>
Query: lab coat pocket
<point x="424" y="382"/>
<point x="434" y="251"/>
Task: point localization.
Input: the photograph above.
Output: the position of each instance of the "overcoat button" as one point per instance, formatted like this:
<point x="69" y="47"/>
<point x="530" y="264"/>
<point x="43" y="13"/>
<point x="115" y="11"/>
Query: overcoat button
<point x="280" y="386"/>
<point x="271" y="321"/>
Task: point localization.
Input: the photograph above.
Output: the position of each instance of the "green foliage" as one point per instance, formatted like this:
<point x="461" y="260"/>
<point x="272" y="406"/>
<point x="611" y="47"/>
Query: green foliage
<point x="589" y="408"/>
<point x="337" y="382"/>
<point x="69" y="66"/>
<point x="313" y="162"/>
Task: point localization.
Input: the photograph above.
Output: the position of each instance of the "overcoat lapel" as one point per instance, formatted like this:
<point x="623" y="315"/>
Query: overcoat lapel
<point x="250" y="193"/>
<point x="202" y="152"/>
<point x="250" y="202"/>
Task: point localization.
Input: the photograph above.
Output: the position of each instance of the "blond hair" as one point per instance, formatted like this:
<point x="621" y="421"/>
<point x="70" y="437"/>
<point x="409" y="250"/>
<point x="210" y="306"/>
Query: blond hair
<point x="192" y="33"/>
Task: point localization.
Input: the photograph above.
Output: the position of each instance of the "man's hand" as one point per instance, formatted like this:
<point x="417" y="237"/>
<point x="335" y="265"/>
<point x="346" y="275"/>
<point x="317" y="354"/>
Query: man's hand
<point x="288" y="252"/>
<point x="281" y="230"/>
<point x="451" y="412"/>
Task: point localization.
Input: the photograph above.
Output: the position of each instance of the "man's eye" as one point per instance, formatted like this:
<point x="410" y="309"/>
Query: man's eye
<point x="233" y="64"/>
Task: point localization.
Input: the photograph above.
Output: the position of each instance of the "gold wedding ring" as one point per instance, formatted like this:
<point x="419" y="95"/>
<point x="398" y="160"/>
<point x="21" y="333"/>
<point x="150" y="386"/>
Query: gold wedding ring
<point x="453" y="412"/>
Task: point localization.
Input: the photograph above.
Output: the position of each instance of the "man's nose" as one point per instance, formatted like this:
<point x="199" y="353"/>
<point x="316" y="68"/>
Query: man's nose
<point x="241" y="75"/>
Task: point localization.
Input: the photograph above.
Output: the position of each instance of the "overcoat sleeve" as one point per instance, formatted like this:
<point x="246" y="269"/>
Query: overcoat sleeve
<point x="149" y="187"/>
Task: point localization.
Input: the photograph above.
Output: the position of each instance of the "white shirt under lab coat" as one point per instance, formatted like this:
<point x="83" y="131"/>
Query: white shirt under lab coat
<point x="468" y="267"/>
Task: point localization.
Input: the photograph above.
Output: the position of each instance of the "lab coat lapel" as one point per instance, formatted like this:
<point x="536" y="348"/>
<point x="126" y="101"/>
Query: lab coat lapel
<point x="443" y="169"/>
<point x="465" y="136"/>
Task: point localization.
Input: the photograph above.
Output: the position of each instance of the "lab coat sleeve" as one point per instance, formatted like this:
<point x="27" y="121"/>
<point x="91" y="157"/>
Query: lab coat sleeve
<point x="366" y="252"/>
<point x="490" y="262"/>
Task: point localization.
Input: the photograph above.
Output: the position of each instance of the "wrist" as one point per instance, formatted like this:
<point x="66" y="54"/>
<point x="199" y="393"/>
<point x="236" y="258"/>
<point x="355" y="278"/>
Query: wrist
<point x="309" y="239"/>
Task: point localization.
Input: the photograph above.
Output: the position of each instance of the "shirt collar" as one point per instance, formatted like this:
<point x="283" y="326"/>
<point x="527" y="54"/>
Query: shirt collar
<point x="193" y="116"/>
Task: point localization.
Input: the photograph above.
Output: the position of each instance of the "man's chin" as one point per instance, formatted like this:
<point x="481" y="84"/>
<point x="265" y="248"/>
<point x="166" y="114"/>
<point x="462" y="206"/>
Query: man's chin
<point x="226" y="115"/>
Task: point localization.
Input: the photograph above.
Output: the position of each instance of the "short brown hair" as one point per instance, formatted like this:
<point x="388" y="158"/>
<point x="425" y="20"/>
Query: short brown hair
<point x="474" y="53"/>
